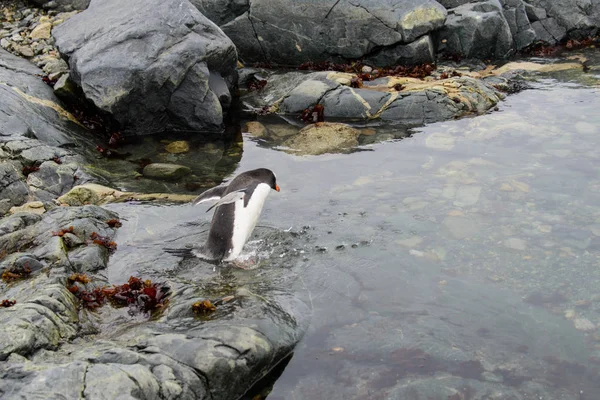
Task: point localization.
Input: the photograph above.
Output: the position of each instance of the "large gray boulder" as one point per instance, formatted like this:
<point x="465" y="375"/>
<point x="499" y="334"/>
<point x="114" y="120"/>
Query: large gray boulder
<point x="154" y="65"/>
<point x="291" y="32"/>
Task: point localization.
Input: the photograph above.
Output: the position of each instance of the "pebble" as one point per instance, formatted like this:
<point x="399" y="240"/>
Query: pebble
<point x="467" y="196"/>
<point x="410" y="242"/>
<point x="584" y="324"/>
<point x="440" y="141"/>
<point x="177" y="147"/>
<point x="515" y="244"/>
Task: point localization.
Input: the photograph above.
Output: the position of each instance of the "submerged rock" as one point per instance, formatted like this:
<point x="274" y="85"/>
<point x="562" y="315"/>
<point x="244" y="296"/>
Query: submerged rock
<point x="169" y="172"/>
<point x="323" y="138"/>
<point x="179" y="77"/>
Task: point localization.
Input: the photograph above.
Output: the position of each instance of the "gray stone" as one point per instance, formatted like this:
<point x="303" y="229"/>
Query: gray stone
<point x="535" y="13"/>
<point x="580" y="18"/>
<point x="51" y="180"/>
<point x="62" y="5"/>
<point x="477" y="30"/>
<point x="418" y="52"/>
<point x="169" y="172"/>
<point x="346" y="102"/>
<point x="13" y="190"/>
<point x="222" y="12"/>
<point x="28" y="108"/>
<point x="552" y="36"/>
<point x="290" y="32"/>
<point x="180" y="71"/>
<point x="306" y="94"/>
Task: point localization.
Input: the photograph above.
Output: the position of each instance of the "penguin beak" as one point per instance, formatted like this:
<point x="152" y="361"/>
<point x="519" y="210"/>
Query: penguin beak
<point x="277" y="187"/>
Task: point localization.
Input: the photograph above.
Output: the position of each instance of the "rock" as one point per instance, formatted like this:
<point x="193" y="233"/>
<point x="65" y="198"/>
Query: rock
<point x="34" y="207"/>
<point x="177" y="147"/>
<point x="461" y="227"/>
<point x="476" y="30"/>
<point x="580" y="21"/>
<point x="419" y="102"/>
<point x="549" y="31"/>
<point x="440" y="141"/>
<point x="25" y="51"/>
<point x="291" y="32"/>
<point x="79" y="196"/>
<point x="168" y="172"/>
<point x="256" y="129"/>
<point x="418" y="52"/>
<point x="66" y="89"/>
<point x="535" y="13"/>
<point x="323" y="138"/>
<point x="516" y="244"/>
<point x="182" y="69"/>
<point x="35" y="111"/>
<point x="42" y="31"/>
<point x="63" y="5"/>
<point x="584" y="324"/>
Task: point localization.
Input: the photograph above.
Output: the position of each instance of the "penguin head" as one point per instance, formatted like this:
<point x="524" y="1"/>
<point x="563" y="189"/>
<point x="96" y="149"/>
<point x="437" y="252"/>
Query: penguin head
<point x="266" y="176"/>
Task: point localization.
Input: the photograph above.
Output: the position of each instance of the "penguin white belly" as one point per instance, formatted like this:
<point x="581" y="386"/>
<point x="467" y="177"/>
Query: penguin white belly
<point x="245" y="219"/>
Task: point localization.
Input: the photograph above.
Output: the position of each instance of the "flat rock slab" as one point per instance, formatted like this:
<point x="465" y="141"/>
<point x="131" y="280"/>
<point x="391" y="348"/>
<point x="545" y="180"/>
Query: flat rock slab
<point x="153" y="65"/>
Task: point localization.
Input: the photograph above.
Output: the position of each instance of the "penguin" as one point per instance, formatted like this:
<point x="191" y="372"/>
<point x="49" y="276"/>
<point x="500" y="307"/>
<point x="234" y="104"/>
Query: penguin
<point x="236" y="212"/>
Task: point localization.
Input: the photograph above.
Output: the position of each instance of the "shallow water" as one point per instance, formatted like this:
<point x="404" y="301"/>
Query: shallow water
<point x="463" y="260"/>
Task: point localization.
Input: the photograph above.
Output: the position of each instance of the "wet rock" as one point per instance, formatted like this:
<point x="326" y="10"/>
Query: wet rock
<point x="174" y="353"/>
<point x="256" y="129"/>
<point x="183" y="90"/>
<point x="291" y="32"/>
<point x="419" y="102"/>
<point x="440" y="141"/>
<point x="323" y="138"/>
<point x="79" y="196"/>
<point x="584" y="324"/>
<point x="461" y="227"/>
<point x="168" y="172"/>
<point x="177" y="147"/>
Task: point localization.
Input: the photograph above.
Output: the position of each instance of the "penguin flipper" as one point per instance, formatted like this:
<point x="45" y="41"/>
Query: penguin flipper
<point x="209" y="195"/>
<point x="229" y="198"/>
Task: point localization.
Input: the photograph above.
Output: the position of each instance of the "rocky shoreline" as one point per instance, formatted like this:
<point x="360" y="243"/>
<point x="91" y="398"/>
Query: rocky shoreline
<point x="184" y="75"/>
